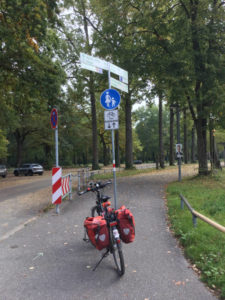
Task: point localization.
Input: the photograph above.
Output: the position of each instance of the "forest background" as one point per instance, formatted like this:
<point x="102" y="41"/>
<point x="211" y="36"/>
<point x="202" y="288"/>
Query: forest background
<point x="174" y="53"/>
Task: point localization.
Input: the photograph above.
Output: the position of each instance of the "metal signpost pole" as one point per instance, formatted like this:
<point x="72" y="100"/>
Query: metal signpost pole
<point x="110" y="98"/>
<point x="113" y="154"/>
<point x="56" y="148"/>
<point x="54" y="125"/>
<point x="56" y="159"/>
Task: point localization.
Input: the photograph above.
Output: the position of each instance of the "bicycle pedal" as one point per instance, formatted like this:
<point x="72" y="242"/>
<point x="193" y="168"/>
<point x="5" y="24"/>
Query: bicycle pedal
<point x="86" y="240"/>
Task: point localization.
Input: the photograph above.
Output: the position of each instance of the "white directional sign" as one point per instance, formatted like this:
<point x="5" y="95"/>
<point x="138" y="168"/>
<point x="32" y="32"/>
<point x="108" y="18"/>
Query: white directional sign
<point x="111" y="115"/>
<point x="91" y="68"/>
<point x="118" y="71"/>
<point x="93" y="63"/>
<point x="113" y="125"/>
<point x="119" y="85"/>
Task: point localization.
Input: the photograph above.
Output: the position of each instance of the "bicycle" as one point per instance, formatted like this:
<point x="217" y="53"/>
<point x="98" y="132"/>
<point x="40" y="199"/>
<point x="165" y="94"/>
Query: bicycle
<point x="102" y="208"/>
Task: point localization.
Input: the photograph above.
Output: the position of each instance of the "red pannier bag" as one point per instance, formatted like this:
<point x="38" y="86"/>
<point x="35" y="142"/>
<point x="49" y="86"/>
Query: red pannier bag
<point x="97" y="231"/>
<point x="125" y="224"/>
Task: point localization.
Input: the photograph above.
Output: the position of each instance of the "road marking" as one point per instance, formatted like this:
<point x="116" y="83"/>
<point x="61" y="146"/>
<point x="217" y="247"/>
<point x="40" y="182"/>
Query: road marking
<point x="16" y="229"/>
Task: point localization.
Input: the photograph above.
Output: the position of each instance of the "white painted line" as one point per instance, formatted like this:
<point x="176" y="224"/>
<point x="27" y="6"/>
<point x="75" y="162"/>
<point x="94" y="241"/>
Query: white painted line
<point x="16" y="229"/>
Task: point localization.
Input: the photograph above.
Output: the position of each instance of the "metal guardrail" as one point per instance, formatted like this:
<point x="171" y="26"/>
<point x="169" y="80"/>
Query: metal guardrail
<point x="196" y="215"/>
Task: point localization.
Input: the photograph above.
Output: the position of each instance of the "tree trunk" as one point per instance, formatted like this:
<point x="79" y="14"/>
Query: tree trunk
<point x="185" y="137"/>
<point x="211" y="148"/>
<point x="171" y="154"/>
<point x="105" y="151"/>
<point x="214" y="159"/>
<point x="161" y="154"/>
<point x="48" y="156"/>
<point x="201" y="125"/>
<point x="95" y="165"/>
<point x="129" y="142"/>
<point x="117" y="149"/>
<point x="19" y="146"/>
<point x="216" y="156"/>
<point x="193" y="145"/>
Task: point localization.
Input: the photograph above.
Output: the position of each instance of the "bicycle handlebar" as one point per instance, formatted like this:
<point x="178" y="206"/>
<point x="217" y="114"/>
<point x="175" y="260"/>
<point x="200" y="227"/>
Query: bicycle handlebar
<point x="94" y="187"/>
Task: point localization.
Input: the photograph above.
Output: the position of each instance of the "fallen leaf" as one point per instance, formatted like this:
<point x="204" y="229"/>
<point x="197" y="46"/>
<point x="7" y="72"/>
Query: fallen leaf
<point x="65" y="243"/>
<point x="31" y="268"/>
<point x="88" y="267"/>
<point x="134" y="271"/>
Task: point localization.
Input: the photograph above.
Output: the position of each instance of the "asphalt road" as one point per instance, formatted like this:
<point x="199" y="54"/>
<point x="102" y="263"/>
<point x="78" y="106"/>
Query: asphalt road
<point x="23" y="189"/>
<point x="49" y="260"/>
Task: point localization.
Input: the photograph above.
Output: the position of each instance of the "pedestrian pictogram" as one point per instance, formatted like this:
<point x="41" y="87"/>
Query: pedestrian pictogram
<point x="110" y="99"/>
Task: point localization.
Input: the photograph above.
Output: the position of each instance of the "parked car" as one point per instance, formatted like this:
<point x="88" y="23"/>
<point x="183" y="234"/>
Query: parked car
<point x="29" y="169"/>
<point x="3" y="171"/>
<point x="138" y="162"/>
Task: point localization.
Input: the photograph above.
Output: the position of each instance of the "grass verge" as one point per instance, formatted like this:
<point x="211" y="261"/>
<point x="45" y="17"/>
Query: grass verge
<point x="203" y="245"/>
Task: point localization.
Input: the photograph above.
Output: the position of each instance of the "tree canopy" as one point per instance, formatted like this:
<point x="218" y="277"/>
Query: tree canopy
<point x="173" y="50"/>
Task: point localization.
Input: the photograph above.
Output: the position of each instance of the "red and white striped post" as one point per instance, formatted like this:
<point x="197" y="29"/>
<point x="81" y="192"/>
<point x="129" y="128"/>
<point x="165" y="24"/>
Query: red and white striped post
<point x="57" y="187"/>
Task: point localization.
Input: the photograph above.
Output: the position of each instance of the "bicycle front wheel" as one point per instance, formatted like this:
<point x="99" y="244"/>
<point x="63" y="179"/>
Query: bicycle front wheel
<point x="118" y="257"/>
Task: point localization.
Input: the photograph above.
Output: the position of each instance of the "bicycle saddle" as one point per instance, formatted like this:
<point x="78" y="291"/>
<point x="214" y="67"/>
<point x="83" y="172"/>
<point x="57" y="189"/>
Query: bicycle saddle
<point x="105" y="198"/>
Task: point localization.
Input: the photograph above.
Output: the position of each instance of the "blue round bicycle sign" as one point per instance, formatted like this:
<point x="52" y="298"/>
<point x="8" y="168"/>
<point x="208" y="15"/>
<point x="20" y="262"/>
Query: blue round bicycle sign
<point x="110" y="99"/>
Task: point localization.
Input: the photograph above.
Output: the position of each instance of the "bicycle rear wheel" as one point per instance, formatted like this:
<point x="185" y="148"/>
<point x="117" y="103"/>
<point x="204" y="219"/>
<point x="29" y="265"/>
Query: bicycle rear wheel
<point x="118" y="256"/>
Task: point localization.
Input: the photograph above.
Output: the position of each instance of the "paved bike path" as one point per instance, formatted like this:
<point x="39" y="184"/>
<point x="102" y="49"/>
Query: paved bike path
<point x="49" y="260"/>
